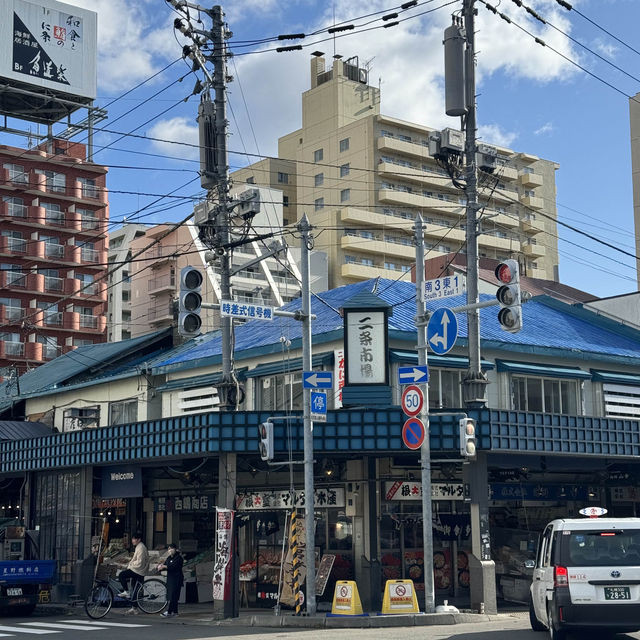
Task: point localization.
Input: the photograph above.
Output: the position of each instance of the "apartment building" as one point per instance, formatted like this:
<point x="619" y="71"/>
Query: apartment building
<point x="53" y="248"/>
<point x="362" y="177"/>
<point x="265" y="272"/>
<point x="634" y="122"/>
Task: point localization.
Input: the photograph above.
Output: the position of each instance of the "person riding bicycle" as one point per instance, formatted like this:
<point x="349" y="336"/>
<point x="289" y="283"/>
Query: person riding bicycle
<point x="136" y="569"/>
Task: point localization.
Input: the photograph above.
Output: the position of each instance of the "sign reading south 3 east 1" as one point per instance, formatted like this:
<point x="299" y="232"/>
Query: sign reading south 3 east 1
<point x="319" y="406"/>
<point x="444" y="287"/>
<point x="442" y="331"/>
<point x="317" y="379"/>
<point x="418" y="374"/>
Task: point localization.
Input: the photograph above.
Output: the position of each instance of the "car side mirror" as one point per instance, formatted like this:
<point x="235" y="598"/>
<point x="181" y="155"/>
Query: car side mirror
<point x="529" y="564"/>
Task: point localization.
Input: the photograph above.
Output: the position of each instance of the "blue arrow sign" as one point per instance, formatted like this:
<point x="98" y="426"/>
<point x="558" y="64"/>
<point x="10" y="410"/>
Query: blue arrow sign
<point x="412" y="375"/>
<point x="442" y="331"/>
<point x="317" y="379"/>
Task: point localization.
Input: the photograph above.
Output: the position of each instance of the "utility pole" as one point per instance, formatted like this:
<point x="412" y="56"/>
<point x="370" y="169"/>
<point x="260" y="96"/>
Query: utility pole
<point x="309" y="492"/>
<point x="425" y="449"/>
<point x="474" y="383"/>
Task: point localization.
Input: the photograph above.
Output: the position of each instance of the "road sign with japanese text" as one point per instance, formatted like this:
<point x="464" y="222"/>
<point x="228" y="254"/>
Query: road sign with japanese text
<point x="231" y="309"/>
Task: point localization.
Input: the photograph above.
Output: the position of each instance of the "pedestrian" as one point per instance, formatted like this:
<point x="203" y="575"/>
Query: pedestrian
<point x="173" y="564"/>
<point x="135" y="571"/>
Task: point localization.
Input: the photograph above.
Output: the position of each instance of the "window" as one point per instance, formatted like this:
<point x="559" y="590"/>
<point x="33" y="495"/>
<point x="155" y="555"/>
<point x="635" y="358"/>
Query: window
<point x="529" y="192"/>
<point x="53" y="213"/>
<point x="88" y="186"/>
<point x="88" y="252"/>
<point x="76" y="419"/>
<point x="404" y="138"/>
<point x="390" y="266"/>
<point x="283" y="178"/>
<point x="546" y="395"/>
<point x="318" y="155"/>
<point x="12" y="344"/>
<point x="620" y="400"/>
<point x="16" y="173"/>
<point x="319" y="204"/>
<point x="13" y="275"/>
<point x="15" y="207"/>
<point x="123" y="412"/>
<point x="386" y="134"/>
<point x="52" y="247"/>
<point x="52" y="279"/>
<point x="15" y="241"/>
<point x="344" y="170"/>
<point x="12" y="308"/>
<point x="198" y="400"/>
<point x="50" y="312"/>
<point x="367" y="262"/>
<point x="251" y="180"/>
<point x="86" y="284"/>
<point x="345" y="195"/>
<point x="280" y="392"/>
<point x="50" y="348"/>
<point x="318" y="179"/>
<point x="445" y="390"/>
<point x="89" y="220"/>
<point x="285" y="201"/>
<point x="344" y="145"/>
<point x="55" y="182"/>
<point x="82" y="342"/>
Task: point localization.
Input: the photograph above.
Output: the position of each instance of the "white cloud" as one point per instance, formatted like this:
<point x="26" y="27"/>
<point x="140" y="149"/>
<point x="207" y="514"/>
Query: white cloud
<point x="178" y="129"/>
<point x="606" y="49"/>
<point x="547" y="127"/>
<point x="494" y="134"/>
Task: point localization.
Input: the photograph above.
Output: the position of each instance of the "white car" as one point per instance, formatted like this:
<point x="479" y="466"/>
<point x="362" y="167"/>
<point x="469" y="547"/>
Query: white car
<point x="587" y="576"/>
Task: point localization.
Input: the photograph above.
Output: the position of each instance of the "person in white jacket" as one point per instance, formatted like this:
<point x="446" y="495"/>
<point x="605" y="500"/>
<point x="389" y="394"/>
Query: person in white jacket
<point x="136" y="569"/>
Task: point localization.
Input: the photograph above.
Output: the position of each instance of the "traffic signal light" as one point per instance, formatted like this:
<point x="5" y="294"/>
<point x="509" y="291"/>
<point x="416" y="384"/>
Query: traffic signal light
<point x="190" y="302"/>
<point x="508" y="295"/>
<point x="265" y="431"/>
<point x="468" y="438"/>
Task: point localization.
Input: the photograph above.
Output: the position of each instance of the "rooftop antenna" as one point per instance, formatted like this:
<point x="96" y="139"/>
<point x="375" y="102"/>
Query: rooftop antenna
<point x="334" y="33"/>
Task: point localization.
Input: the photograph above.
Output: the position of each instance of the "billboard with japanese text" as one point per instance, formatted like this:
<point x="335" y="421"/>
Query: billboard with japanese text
<point x="49" y="45"/>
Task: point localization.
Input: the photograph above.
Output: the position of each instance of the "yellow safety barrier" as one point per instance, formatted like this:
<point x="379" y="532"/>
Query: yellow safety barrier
<point x="400" y="597"/>
<point x="346" y="599"/>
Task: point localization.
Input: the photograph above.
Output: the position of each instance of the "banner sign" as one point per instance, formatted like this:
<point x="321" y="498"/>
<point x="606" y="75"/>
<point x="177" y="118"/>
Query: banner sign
<point x="550" y="492"/>
<point x="400" y="490"/>
<point x="257" y="500"/>
<point x="222" y="564"/>
<point x="366" y="343"/>
<point x="27" y="571"/>
<point x="185" y="503"/>
<point x="124" y="481"/>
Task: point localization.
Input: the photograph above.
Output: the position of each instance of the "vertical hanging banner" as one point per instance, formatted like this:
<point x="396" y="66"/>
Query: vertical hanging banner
<point x="366" y="343"/>
<point x="295" y="570"/>
<point x="224" y="548"/>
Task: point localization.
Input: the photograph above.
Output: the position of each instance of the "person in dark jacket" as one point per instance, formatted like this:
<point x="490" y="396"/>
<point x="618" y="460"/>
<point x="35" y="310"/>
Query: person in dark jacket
<point x="173" y="565"/>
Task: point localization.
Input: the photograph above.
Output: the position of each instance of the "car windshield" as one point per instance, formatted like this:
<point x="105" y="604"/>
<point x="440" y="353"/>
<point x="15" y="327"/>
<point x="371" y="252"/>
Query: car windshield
<point x="602" y="548"/>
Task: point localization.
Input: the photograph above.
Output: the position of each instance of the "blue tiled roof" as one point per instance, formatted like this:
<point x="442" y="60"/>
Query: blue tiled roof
<point x="549" y="328"/>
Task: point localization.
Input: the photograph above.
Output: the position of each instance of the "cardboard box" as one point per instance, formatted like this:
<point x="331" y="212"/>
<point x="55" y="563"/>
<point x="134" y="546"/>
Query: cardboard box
<point x="204" y="569"/>
<point x="205" y="591"/>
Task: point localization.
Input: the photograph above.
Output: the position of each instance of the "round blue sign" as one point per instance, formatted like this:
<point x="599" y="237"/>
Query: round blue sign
<point x="442" y="331"/>
<point x="413" y="433"/>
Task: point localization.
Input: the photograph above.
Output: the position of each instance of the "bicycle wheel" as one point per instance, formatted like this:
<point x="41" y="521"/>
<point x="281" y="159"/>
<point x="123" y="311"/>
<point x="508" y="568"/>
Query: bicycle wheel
<point x="98" y="601"/>
<point x="152" y="596"/>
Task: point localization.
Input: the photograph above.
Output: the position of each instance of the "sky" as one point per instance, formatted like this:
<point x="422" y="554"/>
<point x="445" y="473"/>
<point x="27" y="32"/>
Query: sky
<point x="553" y="104"/>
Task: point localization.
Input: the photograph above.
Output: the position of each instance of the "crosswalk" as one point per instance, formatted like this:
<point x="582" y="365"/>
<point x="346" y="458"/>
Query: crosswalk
<point x="31" y="629"/>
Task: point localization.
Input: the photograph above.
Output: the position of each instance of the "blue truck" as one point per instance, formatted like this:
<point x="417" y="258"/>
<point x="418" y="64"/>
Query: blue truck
<point x="22" y="582"/>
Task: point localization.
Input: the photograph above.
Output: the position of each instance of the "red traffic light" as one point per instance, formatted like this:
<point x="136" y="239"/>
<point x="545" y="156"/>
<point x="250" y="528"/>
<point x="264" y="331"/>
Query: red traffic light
<point x="503" y="273"/>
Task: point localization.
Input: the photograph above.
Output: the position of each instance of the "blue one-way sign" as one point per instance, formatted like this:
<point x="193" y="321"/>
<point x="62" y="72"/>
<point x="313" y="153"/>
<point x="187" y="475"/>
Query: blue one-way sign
<point x="317" y="379"/>
<point x="412" y="375"/>
<point x="442" y="331"/>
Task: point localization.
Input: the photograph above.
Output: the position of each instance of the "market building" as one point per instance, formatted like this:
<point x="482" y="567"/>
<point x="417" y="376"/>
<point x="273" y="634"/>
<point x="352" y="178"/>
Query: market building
<point x="560" y="432"/>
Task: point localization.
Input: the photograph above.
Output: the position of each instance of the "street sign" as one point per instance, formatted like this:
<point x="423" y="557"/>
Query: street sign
<point x="444" y="287"/>
<point x="319" y="406"/>
<point x="245" y="311"/>
<point x="413" y="433"/>
<point x="413" y="375"/>
<point x="317" y="379"/>
<point x="412" y="400"/>
<point x="442" y="331"/>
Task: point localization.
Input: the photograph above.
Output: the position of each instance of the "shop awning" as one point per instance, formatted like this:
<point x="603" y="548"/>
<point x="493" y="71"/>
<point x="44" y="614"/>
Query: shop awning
<point x="615" y="377"/>
<point x="446" y="362"/>
<point x="289" y="364"/>
<point x="542" y="370"/>
<point x="21" y="429"/>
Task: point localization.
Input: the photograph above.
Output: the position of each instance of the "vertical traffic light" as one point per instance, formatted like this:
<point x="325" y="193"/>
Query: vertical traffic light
<point x="468" y="443"/>
<point x="265" y="431"/>
<point x="508" y="295"/>
<point x="190" y="302"/>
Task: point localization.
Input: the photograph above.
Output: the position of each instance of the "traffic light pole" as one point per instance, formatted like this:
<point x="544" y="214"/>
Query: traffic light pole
<point x="425" y="449"/>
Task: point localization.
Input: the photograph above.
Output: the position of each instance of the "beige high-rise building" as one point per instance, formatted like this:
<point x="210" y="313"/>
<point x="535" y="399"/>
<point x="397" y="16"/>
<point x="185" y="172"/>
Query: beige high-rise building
<point x="634" y="120"/>
<point x="362" y="177"/>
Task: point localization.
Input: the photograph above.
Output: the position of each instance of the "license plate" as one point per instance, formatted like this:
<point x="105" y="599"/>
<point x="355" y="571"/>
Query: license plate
<point x="617" y="593"/>
<point x="16" y="591"/>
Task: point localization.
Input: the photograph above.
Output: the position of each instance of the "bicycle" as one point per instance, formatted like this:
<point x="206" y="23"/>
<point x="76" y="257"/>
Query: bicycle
<point x="150" y="597"/>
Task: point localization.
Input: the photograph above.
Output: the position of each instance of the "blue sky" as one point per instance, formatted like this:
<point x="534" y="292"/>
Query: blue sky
<point x="530" y="99"/>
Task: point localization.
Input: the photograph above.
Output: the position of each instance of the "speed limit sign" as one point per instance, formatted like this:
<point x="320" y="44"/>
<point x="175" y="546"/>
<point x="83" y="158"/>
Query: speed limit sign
<point x="412" y="400"/>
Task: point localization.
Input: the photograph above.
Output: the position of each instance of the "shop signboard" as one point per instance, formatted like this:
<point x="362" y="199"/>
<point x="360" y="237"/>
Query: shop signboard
<point x="625" y="494"/>
<point x="366" y="346"/>
<point x="545" y="492"/>
<point x="338" y="375"/>
<point x="325" y="497"/>
<point x="185" y="503"/>
<point x="123" y="481"/>
<point x="401" y="490"/>
<point x="222" y="563"/>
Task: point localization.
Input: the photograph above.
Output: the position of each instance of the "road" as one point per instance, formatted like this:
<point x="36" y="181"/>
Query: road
<point x="143" y="627"/>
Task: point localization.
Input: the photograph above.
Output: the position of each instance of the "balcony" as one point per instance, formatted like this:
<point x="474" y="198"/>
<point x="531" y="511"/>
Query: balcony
<point x="160" y="313"/>
<point x="11" y="315"/>
<point x="441" y="232"/>
<point x="14" y="210"/>
<point x="496" y="242"/>
<point x="407" y="199"/>
<point x="354" y="271"/>
<point x="55" y="219"/>
<point x="530" y="180"/>
<point x="417" y="176"/>
<point x="380" y="247"/>
<point x="394" y="145"/>
<point x="88" y="322"/>
<point x="161" y="283"/>
<point x="368" y="218"/>
<point x="52" y="283"/>
<point x="12" y="348"/>
<point x="532" y="201"/>
<point x="53" y="250"/>
<point x="534" y="250"/>
<point x="50" y="351"/>
<point x="90" y="255"/>
<point x="15" y="245"/>
<point x="14" y="279"/>
<point x="506" y="173"/>
<point x="533" y="226"/>
<point x="52" y="318"/>
<point x="88" y="223"/>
